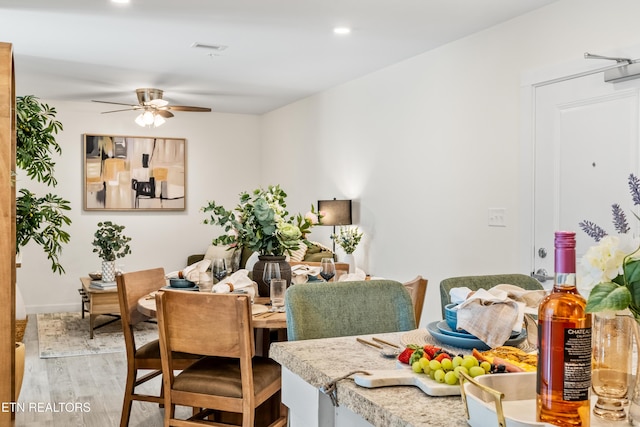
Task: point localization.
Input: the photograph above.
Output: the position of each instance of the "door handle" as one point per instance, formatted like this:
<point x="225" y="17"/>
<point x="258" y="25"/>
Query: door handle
<point x="541" y="275"/>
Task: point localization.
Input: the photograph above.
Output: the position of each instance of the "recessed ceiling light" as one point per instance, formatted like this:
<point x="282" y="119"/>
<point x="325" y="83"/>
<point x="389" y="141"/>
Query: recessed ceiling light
<point x="341" y="30"/>
<point x="120" y="1"/>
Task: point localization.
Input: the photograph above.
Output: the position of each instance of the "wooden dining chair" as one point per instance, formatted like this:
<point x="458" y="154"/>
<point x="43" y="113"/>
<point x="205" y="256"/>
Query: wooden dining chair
<point x="324" y="310"/>
<point x="417" y="289"/>
<point x="215" y="326"/>
<point x="131" y="287"/>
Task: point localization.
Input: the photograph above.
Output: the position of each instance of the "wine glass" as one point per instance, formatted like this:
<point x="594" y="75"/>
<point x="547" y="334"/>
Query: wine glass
<point x="328" y="268"/>
<point x="219" y="268"/>
<point x="271" y="271"/>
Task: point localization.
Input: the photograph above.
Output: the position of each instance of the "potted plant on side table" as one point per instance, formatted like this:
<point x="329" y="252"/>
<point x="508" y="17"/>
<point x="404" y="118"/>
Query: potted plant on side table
<point x="110" y="244"/>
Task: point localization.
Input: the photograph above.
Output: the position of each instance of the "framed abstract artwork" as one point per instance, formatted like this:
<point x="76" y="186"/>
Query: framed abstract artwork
<point x="134" y="173"/>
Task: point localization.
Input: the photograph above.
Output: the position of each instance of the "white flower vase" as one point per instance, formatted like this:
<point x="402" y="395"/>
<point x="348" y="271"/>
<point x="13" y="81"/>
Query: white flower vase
<point x="351" y="260"/>
<point x="108" y="271"/>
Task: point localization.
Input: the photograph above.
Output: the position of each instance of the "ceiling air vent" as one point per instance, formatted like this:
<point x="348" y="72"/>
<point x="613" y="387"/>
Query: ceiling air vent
<point x="211" y="47"/>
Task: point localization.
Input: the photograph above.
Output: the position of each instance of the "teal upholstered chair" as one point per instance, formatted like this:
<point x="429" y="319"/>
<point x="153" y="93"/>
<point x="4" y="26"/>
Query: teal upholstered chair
<point x="336" y="309"/>
<point x="485" y="282"/>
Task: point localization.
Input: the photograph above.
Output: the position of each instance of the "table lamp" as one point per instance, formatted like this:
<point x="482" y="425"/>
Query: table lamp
<point x="335" y="212"/>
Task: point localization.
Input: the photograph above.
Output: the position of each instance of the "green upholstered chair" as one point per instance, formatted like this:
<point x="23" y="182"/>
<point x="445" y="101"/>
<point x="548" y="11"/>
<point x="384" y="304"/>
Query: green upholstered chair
<point x="485" y="282"/>
<point x="336" y="309"/>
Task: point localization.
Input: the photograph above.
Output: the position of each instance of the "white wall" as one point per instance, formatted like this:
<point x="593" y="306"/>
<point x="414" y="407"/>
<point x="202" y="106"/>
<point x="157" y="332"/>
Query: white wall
<point x="223" y="153"/>
<point x="428" y="145"/>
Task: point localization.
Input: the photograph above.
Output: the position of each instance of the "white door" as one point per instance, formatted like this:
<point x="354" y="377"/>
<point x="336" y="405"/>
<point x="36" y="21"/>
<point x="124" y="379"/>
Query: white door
<point x="585" y="146"/>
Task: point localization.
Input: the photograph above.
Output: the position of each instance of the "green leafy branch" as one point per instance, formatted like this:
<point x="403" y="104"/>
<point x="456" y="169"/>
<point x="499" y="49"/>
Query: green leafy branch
<point x="46" y="216"/>
<point x="621" y="293"/>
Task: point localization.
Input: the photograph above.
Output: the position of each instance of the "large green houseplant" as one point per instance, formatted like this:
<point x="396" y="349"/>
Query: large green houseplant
<point x="39" y="218"/>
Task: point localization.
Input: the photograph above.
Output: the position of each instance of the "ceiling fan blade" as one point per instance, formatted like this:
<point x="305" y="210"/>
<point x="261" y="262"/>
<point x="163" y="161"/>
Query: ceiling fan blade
<point x="114" y="103"/>
<point x="187" y="108"/>
<point x="164" y="113"/>
<point x="157" y="103"/>
<point x="124" y="109"/>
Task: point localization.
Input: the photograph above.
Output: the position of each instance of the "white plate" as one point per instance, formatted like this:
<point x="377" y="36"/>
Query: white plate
<point x="259" y="308"/>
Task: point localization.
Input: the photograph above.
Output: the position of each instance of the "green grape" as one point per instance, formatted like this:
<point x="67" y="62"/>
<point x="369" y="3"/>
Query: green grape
<point x="416" y="367"/>
<point x="486" y="366"/>
<point x="456" y="361"/>
<point x="432" y="374"/>
<point x="439" y="376"/>
<point x="457" y="370"/>
<point x="476" y="371"/>
<point x="469" y="362"/>
<point x="435" y="365"/>
<point x="450" y="378"/>
<point x="424" y="363"/>
<point x="447" y="364"/>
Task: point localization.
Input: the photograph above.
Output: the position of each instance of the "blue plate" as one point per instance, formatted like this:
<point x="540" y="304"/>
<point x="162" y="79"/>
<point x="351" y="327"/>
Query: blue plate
<point x="469" y="341"/>
<point x="443" y="326"/>
<point x="173" y="288"/>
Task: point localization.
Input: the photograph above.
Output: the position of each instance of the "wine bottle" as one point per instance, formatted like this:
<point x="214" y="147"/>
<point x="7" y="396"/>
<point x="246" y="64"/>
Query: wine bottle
<point x="564" y="345"/>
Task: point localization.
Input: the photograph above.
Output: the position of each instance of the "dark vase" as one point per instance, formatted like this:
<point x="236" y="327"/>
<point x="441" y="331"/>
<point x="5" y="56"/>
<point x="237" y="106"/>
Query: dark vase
<point x="258" y="269"/>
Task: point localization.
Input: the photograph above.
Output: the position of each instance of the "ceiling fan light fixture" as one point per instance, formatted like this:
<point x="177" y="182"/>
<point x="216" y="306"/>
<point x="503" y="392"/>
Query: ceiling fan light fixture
<point x="148" y="118"/>
<point x="158" y="120"/>
<point x="140" y="120"/>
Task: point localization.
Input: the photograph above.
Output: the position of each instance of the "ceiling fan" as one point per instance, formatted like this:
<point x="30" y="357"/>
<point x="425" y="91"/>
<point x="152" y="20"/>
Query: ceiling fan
<point x="153" y="108"/>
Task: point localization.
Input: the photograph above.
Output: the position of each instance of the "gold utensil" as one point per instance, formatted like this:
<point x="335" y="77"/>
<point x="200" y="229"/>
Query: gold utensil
<point x="372" y="344"/>
<point x="385" y="342"/>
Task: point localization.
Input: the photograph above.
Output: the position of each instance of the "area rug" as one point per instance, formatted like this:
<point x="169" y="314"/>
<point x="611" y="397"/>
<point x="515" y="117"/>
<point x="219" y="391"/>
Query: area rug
<point x="67" y="334"/>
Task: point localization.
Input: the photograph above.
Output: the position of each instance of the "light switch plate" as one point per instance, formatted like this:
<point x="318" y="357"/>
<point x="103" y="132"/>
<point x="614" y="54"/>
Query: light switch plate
<point x="497" y="217"/>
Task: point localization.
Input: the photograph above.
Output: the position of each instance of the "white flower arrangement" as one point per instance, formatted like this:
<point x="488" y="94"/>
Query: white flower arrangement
<point x="604" y="262"/>
<point x="348" y="238"/>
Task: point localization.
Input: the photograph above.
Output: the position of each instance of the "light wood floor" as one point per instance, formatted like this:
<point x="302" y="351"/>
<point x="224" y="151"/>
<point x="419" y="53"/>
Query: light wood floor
<point x="96" y="382"/>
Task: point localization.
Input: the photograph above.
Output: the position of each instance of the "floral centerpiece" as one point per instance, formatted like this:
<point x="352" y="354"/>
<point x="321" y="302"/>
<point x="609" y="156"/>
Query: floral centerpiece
<point x="611" y="269"/>
<point x="348" y="238"/>
<point x="261" y="222"/>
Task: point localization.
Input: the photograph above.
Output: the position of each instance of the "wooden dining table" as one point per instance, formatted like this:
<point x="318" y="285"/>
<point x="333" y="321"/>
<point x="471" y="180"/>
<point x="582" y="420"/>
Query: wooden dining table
<point x="263" y="320"/>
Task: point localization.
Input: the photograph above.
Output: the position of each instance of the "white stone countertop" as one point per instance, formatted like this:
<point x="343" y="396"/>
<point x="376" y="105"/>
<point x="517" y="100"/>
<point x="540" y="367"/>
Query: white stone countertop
<point x="319" y="362"/>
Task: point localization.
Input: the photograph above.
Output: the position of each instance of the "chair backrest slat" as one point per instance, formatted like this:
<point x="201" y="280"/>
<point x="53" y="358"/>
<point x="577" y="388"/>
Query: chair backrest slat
<point x="206" y="324"/>
<point x="417" y="289"/>
<point x="133" y="286"/>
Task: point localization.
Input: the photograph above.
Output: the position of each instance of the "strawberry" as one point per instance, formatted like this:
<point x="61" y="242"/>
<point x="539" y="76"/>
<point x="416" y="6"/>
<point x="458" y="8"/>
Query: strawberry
<point x="405" y="356"/>
<point x="431" y="350"/>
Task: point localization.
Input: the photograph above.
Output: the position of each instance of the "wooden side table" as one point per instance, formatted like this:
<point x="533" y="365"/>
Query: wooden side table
<point x="99" y="302"/>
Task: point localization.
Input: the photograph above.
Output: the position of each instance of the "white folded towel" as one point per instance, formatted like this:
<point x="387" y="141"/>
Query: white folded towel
<point x="350" y="277"/>
<point x="300" y="273"/>
<point x="238" y="280"/>
<point x="493" y="314"/>
<point x="459" y="295"/>
<point x="191" y="272"/>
